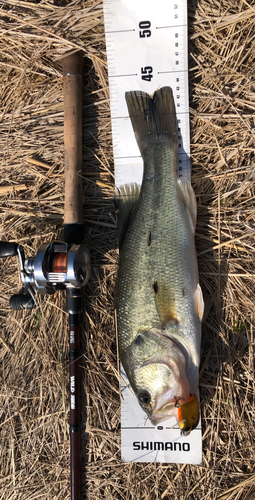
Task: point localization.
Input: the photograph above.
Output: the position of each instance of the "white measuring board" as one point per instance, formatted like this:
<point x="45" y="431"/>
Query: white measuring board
<point x="147" y="49"/>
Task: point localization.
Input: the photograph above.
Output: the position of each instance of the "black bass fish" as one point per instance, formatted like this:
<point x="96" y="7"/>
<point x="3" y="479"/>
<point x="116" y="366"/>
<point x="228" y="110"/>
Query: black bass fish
<point x="159" y="301"/>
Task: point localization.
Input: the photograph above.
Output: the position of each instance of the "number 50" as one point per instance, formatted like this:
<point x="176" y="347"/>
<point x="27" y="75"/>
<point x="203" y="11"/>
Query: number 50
<point x="145" y="33"/>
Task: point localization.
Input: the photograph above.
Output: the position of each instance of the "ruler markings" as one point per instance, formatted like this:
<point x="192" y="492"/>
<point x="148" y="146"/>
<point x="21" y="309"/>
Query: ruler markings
<point x="120" y="117"/>
<point x="141" y="428"/>
<point x="118" y="31"/>
<point x="176" y="71"/>
<point x="126" y="157"/>
<point x="173" y="26"/>
<point x="122" y="76"/>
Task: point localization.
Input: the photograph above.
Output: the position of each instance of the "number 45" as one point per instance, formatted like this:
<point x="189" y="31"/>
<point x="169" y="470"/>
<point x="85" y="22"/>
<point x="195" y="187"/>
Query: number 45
<point x="147" y="73"/>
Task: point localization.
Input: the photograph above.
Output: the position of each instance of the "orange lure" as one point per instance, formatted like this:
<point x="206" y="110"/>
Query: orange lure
<point x="188" y="415"/>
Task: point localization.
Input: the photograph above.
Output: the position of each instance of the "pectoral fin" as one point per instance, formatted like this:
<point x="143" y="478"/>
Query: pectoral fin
<point x="165" y="303"/>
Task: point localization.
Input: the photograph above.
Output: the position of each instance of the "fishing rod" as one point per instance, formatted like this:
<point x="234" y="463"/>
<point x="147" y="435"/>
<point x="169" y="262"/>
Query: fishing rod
<point x="63" y="265"/>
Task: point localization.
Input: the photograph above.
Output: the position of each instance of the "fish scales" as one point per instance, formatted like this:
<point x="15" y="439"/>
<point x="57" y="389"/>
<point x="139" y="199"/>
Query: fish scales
<point x="158" y="299"/>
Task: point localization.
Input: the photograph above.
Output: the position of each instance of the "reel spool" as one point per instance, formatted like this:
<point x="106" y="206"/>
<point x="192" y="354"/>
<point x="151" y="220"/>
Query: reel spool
<point x="56" y="266"/>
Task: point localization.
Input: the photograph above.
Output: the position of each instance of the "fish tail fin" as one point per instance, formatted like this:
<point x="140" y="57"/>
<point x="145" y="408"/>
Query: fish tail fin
<point x="153" y="118"/>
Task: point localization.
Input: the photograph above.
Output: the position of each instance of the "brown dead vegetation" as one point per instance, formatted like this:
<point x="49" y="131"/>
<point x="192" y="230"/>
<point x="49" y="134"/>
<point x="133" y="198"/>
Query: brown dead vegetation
<point x="34" y="411"/>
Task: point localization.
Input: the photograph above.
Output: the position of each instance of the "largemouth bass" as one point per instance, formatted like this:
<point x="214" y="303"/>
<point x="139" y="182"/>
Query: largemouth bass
<point x="159" y="301"/>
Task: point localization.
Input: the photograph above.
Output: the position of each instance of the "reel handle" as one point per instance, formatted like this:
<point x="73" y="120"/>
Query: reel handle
<point x="72" y="73"/>
<point x="20" y="302"/>
<point x="8" y="249"/>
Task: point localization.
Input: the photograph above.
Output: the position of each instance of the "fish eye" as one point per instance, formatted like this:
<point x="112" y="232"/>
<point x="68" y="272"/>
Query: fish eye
<point x="144" y="397"/>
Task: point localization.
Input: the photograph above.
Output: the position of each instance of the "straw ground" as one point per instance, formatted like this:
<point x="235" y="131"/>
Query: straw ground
<point x="34" y="392"/>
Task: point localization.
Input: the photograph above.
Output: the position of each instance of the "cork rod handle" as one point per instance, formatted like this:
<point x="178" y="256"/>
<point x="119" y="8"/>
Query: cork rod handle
<point x="72" y="73"/>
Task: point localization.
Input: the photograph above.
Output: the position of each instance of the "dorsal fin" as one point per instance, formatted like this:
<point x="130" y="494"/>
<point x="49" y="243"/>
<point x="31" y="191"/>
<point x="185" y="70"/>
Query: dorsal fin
<point x="126" y="197"/>
<point x="189" y="199"/>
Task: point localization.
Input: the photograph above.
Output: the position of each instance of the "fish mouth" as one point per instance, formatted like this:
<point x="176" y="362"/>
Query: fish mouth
<point x="166" y="405"/>
<point x="164" y="413"/>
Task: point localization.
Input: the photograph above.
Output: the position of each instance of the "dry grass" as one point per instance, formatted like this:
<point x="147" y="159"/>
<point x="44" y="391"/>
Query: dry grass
<point x="34" y="408"/>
